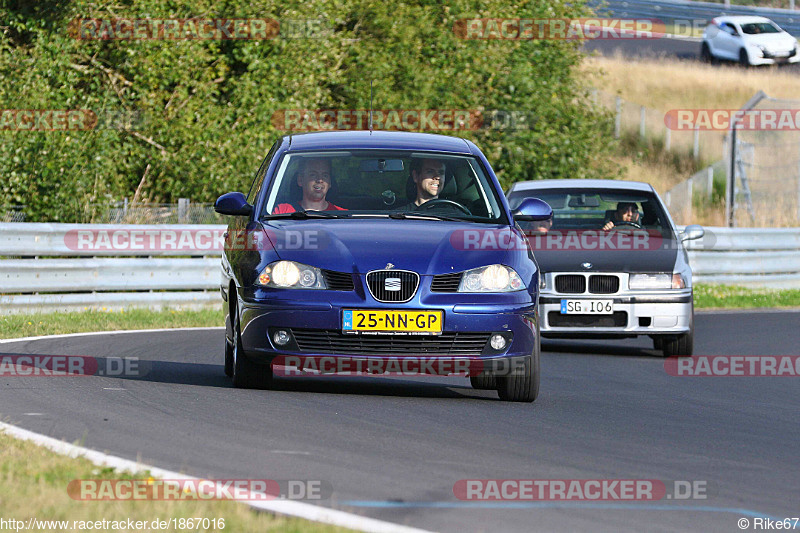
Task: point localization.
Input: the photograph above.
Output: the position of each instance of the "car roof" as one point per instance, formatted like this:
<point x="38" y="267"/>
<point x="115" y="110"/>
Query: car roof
<point x="621" y="185"/>
<point x="387" y="140"/>
<point x="741" y="19"/>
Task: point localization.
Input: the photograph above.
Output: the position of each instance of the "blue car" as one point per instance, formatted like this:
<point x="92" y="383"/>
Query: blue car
<point x="375" y="248"/>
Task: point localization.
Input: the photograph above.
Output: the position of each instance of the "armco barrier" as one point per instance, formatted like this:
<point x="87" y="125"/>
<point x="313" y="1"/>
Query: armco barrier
<point x="678" y="10"/>
<point x="41" y="269"/>
<point x="753" y="257"/>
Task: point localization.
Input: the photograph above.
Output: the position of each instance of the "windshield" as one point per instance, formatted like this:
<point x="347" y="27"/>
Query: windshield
<point x="592" y="209"/>
<point x="760" y="27"/>
<point x="382" y="183"/>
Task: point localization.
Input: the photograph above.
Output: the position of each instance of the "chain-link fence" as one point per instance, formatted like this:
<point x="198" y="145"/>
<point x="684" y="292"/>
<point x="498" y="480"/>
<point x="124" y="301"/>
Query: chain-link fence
<point x="184" y="212"/>
<point x="766" y="166"/>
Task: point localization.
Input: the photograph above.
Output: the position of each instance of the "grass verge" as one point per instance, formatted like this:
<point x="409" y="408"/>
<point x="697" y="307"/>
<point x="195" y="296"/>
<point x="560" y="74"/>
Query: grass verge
<point x="16" y="326"/>
<point x="734" y="297"/>
<point x="33" y="484"/>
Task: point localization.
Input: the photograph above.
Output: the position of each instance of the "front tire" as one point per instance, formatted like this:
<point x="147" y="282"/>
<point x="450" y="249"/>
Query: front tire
<point x="483" y="381"/>
<point x="247" y="374"/>
<point x="705" y="54"/>
<point x="228" y="357"/>
<point x="522" y="386"/>
<point x="744" y="60"/>
<point x="679" y="345"/>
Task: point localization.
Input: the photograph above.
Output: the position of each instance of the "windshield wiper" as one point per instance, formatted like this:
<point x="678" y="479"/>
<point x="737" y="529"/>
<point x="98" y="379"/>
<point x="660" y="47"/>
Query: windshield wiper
<point x="401" y="215"/>
<point x="303" y="215"/>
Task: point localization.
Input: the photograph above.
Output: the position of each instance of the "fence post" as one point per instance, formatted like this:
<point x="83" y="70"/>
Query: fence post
<point x="617" y="117"/>
<point x="696" y="143"/>
<point x="691" y="200"/>
<point x="183" y="208"/>
<point x="710" y="172"/>
<point x="641" y="122"/>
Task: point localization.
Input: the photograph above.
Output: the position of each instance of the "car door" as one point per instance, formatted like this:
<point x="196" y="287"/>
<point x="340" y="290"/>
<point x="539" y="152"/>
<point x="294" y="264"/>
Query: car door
<point x="728" y="41"/>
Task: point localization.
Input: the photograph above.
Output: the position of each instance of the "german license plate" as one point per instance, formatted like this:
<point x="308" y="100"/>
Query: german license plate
<point x="370" y="320"/>
<point x="587" y="307"/>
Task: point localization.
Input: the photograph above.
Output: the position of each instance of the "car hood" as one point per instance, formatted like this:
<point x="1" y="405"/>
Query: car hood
<point x="772" y="40"/>
<point x="360" y="245"/>
<point x="662" y="259"/>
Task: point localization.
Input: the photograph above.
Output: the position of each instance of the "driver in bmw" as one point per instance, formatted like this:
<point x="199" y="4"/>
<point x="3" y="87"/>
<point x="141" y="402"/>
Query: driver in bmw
<point x="626" y="212"/>
<point x="428" y="176"/>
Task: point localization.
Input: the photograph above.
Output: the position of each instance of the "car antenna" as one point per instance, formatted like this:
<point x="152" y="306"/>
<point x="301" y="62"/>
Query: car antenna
<point x="370" y="107"/>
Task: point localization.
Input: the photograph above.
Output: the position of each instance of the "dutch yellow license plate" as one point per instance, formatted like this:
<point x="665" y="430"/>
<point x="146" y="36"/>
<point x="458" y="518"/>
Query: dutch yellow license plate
<point x="370" y="320"/>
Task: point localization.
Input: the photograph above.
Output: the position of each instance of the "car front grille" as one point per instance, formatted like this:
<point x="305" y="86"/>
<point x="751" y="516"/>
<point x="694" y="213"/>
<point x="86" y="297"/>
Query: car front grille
<point x="338" y="281"/>
<point x="619" y="319"/>
<point x="400" y="287"/>
<point x="571" y="283"/>
<point x="446" y="282"/>
<point x="576" y="284"/>
<point x="327" y="341"/>
<point x="603" y="284"/>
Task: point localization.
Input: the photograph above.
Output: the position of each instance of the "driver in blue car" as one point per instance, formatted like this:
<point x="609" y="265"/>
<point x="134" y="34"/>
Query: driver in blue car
<point x="428" y="176"/>
<point x="314" y="178"/>
<point x="626" y="212"/>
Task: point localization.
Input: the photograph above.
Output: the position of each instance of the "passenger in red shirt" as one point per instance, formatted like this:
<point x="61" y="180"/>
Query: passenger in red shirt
<point x="314" y="177"/>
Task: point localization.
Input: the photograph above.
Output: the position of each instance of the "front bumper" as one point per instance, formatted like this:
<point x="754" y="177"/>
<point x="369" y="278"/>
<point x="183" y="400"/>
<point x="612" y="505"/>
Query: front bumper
<point x="650" y="312"/>
<point x="316" y="331"/>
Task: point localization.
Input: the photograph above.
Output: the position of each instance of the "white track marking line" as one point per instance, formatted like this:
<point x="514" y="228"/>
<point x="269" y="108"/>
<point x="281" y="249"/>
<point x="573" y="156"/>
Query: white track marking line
<point x="283" y="507"/>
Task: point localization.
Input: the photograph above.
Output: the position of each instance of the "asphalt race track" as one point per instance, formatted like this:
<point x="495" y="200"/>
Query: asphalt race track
<point x="393" y="448"/>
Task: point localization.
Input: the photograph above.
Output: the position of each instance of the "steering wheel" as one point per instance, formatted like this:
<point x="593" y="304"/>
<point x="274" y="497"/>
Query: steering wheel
<point x="432" y="204"/>
<point x="625" y="223"/>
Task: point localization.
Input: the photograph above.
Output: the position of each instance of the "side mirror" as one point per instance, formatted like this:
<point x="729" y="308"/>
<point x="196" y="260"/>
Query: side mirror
<point x="692" y="232"/>
<point x="533" y="210"/>
<point x="233" y="203"/>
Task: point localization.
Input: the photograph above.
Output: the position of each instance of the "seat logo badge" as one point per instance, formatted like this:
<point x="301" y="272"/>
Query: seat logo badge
<point x="389" y="266"/>
<point x="391" y="284"/>
<point x="587" y="266"/>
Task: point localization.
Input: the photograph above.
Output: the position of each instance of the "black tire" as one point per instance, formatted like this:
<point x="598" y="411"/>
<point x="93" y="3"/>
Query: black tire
<point x="743" y="59"/>
<point x="228" y="357"/>
<point x="705" y="54"/>
<point x="483" y="382"/>
<point x="522" y="385"/>
<point x="247" y="374"/>
<point x="679" y="345"/>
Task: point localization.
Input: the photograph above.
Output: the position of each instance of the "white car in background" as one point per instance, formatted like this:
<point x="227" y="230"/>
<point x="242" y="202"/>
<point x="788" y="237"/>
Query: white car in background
<point x="749" y="40"/>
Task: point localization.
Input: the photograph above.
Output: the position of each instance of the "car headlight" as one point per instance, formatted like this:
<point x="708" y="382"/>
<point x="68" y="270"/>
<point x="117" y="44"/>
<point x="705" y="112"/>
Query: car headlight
<point x="492" y="278"/>
<point x="291" y="275"/>
<point x="661" y="280"/>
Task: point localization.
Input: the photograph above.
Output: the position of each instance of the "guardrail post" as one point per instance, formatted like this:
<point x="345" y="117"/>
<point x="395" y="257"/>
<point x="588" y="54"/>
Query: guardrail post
<point x="618" y="116"/>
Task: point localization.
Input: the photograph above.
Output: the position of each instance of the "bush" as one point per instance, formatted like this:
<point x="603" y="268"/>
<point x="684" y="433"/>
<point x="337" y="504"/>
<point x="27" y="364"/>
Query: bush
<point x="201" y="109"/>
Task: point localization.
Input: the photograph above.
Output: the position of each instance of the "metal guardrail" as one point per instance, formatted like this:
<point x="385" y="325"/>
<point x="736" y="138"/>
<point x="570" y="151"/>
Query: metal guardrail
<point x="675" y="10"/>
<point x="49" y="267"/>
<point x="752" y="257"/>
<point x="42" y="269"/>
